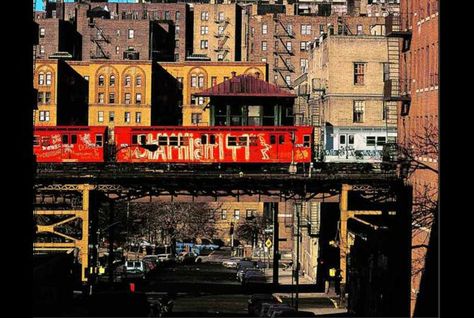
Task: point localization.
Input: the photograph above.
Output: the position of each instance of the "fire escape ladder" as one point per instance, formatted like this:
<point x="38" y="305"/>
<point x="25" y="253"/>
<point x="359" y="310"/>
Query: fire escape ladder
<point x="98" y="39"/>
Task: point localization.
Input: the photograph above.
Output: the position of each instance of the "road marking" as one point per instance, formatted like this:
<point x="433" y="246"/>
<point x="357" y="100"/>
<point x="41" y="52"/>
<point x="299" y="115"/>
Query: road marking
<point x="334" y="303"/>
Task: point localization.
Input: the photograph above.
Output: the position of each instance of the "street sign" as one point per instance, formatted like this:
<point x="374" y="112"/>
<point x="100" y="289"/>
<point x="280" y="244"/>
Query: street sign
<point x="268" y="243"/>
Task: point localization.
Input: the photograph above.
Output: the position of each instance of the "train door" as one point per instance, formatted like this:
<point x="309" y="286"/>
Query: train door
<point x="67" y="144"/>
<point x="346" y="145"/>
<point x="273" y="153"/>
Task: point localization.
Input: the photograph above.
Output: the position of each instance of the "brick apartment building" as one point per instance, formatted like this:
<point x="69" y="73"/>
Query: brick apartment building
<point x="417" y="28"/>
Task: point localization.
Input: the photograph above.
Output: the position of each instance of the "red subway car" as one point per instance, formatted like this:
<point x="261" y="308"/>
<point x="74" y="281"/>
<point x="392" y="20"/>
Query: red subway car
<point x="215" y="144"/>
<point x="69" y="143"/>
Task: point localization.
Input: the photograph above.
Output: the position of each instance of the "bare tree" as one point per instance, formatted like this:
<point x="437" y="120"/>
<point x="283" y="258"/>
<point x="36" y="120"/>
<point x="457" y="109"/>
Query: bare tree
<point x="252" y="230"/>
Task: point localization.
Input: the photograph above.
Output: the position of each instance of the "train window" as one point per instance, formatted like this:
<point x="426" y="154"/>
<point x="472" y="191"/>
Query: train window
<point x="380" y="141"/>
<point x="65" y="139"/>
<point x="231" y="141"/>
<point x="203" y="139"/>
<point x="342" y="139"/>
<point x="370" y="141"/>
<point x="243" y="141"/>
<point x="99" y="140"/>
<point x="306" y="140"/>
<point x="351" y="139"/>
<point x="73" y="139"/>
<point x="281" y="139"/>
<point x="173" y="140"/>
<point x="134" y="139"/>
<point x="142" y="139"/>
<point x="36" y="141"/>
<point x="272" y="139"/>
<point x="162" y="140"/>
<point x="212" y="139"/>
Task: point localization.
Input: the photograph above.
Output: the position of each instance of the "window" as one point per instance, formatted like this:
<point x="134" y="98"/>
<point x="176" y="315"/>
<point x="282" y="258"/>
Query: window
<point x="196" y="118"/>
<point x="264" y="29"/>
<point x="193" y="81"/>
<point x="306" y="140"/>
<point x="117" y="50"/>
<point x="281" y="139"/>
<point x="42" y="32"/>
<point x="342" y="139"/>
<point x="370" y="141"/>
<point x="213" y="80"/>
<point x="303" y="46"/>
<point x="44" y="115"/>
<point x="200" y="100"/>
<point x="359" y="71"/>
<point x="220" y="16"/>
<point x="101" y="98"/>
<point x="167" y="15"/>
<point x="127" y="98"/>
<point x="250" y="213"/>
<point x="306" y="29"/>
<point x="36" y="141"/>
<point x="224" y="214"/>
<point x="303" y="64"/>
<point x="48" y="78"/>
<point x="289" y="29"/>
<point x="47" y="97"/>
<point x="288" y="46"/>
<point x="99" y="140"/>
<point x="127" y="117"/>
<point x="226" y="78"/>
<point x="112" y="80"/>
<point x="138" y="81"/>
<point x="201" y="81"/>
<point x="339" y="29"/>
<point x="131" y="33"/>
<point x="138" y="117"/>
<point x="358" y="114"/>
<point x="111" y="98"/>
<point x="204" y="16"/>
<point x="321" y="28"/>
<point x="264" y="59"/>
<point x="351" y="139"/>
<point x="138" y="98"/>
<point x="111" y="117"/>
<point x="204" y="29"/>
<point x="40" y="97"/>
<point x="41" y="49"/>
<point x="176" y="30"/>
<point x="359" y="29"/>
<point x="86" y="78"/>
<point x="101" y="80"/>
<point x="118" y="33"/>
<point x="128" y="79"/>
<point x="73" y="139"/>
<point x="41" y="79"/>
<point x="177" y="15"/>
<point x="236" y="214"/>
<point x="288" y="80"/>
<point x="220" y="57"/>
<point x="100" y="117"/>
<point x="380" y="141"/>
<point x="220" y="30"/>
<point x="204" y="44"/>
<point x="272" y="139"/>
<point x="264" y="45"/>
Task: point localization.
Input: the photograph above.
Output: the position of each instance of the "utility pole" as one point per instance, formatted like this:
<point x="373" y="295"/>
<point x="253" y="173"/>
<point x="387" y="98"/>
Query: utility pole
<point x="111" y="242"/>
<point x="297" y="270"/>
<point x="276" y="238"/>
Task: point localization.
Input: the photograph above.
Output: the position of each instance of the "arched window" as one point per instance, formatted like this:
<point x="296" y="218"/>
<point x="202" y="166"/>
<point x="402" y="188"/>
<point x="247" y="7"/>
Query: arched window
<point x="112" y="80"/>
<point x="101" y="80"/>
<point x="138" y="80"/>
<point x="201" y="81"/>
<point x="128" y="79"/>
<point x="41" y="79"/>
<point x="48" y="78"/>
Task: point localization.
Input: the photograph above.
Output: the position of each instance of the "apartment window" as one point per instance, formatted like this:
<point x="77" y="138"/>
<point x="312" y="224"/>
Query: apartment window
<point x="204" y="16"/>
<point x="288" y="46"/>
<point x="48" y="78"/>
<point x="288" y="80"/>
<point x="42" y="32"/>
<point x="128" y="79"/>
<point x="101" y="80"/>
<point x="250" y="213"/>
<point x="131" y="33"/>
<point x="264" y="29"/>
<point x="118" y="32"/>
<point x="204" y="29"/>
<point x="176" y="30"/>
<point x="100" y="117"/>
<point x="138" y="117"/>
<point x="193" y="81"/>
<point x="111" y="117"/>
<point x="359" y="71"/>
<point x="176" y="44"/>
<point x="321" y="28"/>
<point x="177" y="15"/>
<point x="201" y="81"/>
<point x="112" y="80"/>
<point x="237" y="214"/>
<point x="196" y="118"/>
<point x="220" y="16"/>
<point x="117" y="50"/>
<point x="200" y="100"/>
<point x="303" y="64"/>
<point x="47" y="97"/>
<point x="101" y="98"/>
<point x="40" y="97"/>
<point x="264" y="59"/>
<point x="303" y="46"/>
<point x="138" y="81"/>
<point x="359" y="29"/>
<point x="220" y="57"/>
<point x="358" y="113"/>
<point x="224" y="214"/>
<point x="138" y="98"/>
<point x="220" y="30"/>
<point x="42" y="49"/>
<point x="127" y="98"/>
<point x="86" y="78"/>
<point x="41" y="79"/>
<point x="167" y="15"/>
<point x="204" y="44"/>
<point x="127" y="117"/>
<point x="370" y="141"/>
<point x="213" y="81"/>
<point x="306" y="29"/>
<point x="289" y="28"/>
<point x="44" y="115"/>
<point x="111" y="98"/>
<point x="264" y="45"/>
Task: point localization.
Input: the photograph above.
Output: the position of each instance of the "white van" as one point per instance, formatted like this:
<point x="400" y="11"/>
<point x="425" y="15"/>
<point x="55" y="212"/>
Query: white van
<point x="134" y="267"/>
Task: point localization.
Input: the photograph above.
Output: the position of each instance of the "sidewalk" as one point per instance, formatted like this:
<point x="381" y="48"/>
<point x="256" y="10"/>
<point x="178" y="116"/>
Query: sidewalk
<point x="318" y="303"/>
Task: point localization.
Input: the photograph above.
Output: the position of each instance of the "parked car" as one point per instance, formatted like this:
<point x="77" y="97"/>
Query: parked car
<point x="255" y="302"/>
<point x="231" y="262"/>
<point x="166" y="258"/>
<point x="253" y="277"/>
<point x="186" y="257"/>
<point x="268" y="308"/>
<point x="151" y="261"/>
<point x="135" y="269"/>
<point x="241" y="273"/>
<point x="214" y="257"/>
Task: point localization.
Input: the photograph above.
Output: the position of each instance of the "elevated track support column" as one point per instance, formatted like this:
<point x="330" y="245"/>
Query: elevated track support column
<point x="75" y="232"/>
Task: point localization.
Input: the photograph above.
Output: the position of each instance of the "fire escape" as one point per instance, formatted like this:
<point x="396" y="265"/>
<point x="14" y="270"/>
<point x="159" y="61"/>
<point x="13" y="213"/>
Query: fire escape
<point x="222" y="37"/>
<point x="395" y="88"/>
<point x="283" y="53"/>
<point x="100" y="39"/>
